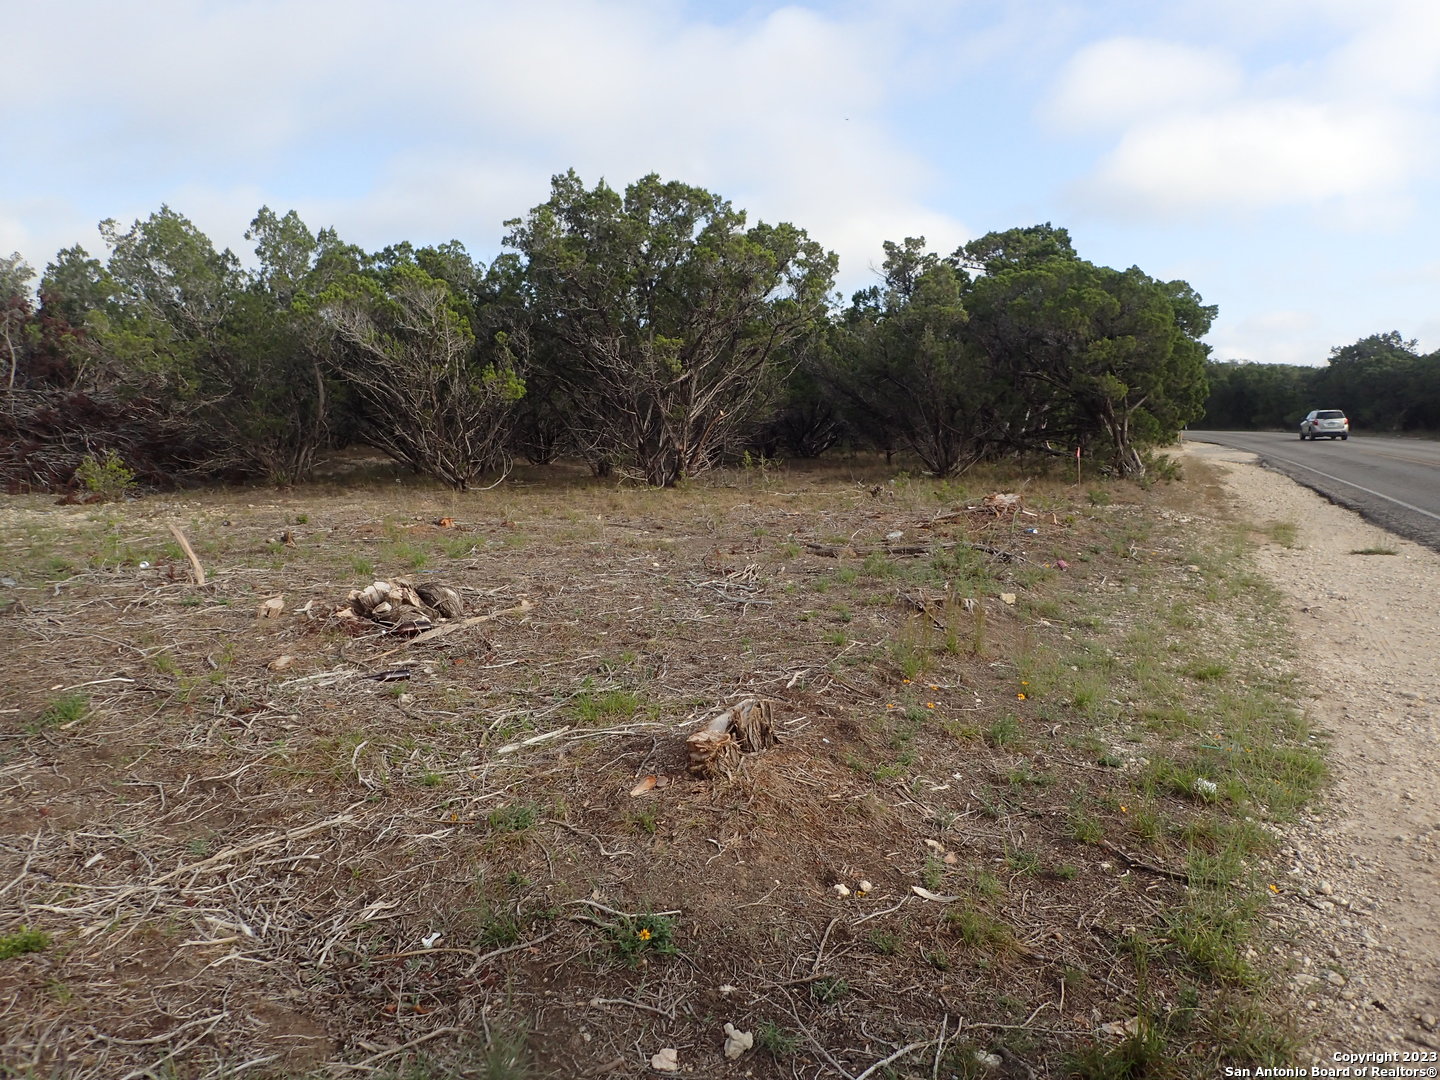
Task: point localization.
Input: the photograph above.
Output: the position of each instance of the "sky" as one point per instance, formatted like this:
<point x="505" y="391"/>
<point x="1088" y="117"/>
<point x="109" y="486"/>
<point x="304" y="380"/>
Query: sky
<point x="1282" y="156"/>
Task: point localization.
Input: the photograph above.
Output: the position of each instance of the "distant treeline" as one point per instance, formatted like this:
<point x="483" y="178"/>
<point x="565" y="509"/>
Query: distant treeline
<point x="1382" y="382"/>
<point x="651" y="333"/>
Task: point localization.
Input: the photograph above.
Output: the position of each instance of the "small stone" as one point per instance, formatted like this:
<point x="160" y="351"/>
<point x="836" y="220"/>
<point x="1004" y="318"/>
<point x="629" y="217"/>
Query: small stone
<point x="736" y="1041"/>
<point x="1303" y="980"/>
<point x="1326" y="889"/>
<point x="841" y="889"/>
<point x="865" y="886"/>
<point x="667" y="1060"/>
<point x="1335" y="979"/>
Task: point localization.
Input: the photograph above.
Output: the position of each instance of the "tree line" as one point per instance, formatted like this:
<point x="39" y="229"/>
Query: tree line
<point x="1382" y="382"/>
<point x="652" y="333"/>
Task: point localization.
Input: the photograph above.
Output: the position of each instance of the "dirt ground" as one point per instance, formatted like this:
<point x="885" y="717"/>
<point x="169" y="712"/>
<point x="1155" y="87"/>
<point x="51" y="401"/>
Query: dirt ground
<point x="1363" y="865"/>
<point x="241" y="845"/>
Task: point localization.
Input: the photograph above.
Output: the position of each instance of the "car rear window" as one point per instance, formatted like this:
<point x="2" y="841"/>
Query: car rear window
<point x="1329" y="414"/>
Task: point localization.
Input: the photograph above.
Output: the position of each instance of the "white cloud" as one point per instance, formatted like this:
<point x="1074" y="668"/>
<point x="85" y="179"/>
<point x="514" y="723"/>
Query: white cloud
<point x="1320" y="105"/>
<point x="1113" y="83"/>
<point x="1396" y="54"/>
<point x="1255" y="155"/>
<point x="1290" y="336"/>
<point x="449" y="116"/>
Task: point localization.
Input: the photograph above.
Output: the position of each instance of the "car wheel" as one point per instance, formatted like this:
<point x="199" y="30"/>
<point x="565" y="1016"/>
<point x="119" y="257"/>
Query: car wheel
<point x="1343" y="438"/>
<point x="1302" y="436"/>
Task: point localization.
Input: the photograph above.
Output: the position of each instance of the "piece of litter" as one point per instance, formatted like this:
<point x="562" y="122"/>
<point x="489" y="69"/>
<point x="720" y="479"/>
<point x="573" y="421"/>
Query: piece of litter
<point x="1206" y="787"/>
<point x="429" y="940"/>
<point x="144" y="566"/>
<point x="667" y="1060"/>
<point x="896" y="535"/>
<point x="1062" y="564"/>
<point x="727" y="988"/>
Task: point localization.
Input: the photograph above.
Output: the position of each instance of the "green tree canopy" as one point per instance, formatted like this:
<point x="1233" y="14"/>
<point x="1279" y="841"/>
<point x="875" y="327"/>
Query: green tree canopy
<point x="672" y="314"/>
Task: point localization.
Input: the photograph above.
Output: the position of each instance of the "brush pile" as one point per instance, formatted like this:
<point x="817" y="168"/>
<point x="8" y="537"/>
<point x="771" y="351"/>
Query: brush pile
<point x="401" y="606"/>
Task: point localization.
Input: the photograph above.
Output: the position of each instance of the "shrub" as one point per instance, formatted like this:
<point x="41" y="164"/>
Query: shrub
<point x="105" y="477"/>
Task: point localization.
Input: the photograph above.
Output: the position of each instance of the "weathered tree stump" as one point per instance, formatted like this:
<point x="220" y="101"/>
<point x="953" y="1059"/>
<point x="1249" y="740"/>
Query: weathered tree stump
<point x="745" y="728"/>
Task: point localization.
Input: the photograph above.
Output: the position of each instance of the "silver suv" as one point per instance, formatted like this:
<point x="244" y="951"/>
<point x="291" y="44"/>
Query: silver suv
<point x="1325" y="423"/>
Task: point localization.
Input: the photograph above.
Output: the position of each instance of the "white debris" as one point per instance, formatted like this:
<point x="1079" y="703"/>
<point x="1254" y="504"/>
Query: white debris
<point x="736" y="1041"/>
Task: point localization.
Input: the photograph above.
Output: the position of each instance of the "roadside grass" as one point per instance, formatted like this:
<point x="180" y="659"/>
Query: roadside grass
<point x="1082" y="774"/>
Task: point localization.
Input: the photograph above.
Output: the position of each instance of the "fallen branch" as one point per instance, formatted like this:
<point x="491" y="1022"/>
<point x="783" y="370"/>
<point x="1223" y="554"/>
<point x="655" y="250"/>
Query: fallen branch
<point x="1140" y="864"/>
<point x="459" y="624"/>
<point x="189" y="554"/>
<point x="245" y="849"/>
<point x="896" y="1056"/>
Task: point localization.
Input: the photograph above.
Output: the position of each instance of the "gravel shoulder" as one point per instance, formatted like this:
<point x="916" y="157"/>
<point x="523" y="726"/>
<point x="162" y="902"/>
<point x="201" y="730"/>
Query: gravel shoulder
<point x="1364" y="898"/>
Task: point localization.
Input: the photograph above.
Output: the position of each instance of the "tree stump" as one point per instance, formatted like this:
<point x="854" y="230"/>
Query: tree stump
<point x="744" y="728"/>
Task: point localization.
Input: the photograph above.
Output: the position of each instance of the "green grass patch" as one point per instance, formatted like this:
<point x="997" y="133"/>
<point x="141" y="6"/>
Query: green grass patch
<point x="23" y="941"/>
<point x="63" y="710"/>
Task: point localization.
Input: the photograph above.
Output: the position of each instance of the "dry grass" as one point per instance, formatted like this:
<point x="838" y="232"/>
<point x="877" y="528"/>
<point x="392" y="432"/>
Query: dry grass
<point x="303" y="872"/>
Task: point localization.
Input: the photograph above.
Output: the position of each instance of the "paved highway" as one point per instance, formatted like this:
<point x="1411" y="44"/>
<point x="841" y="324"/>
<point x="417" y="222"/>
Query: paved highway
<point x="1392" y="482"/>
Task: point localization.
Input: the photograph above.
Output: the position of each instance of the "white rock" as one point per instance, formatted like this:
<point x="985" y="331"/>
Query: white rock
<point x="667" y="1060"/>
<point x="736" y="1041"/>
<point x="842" y="889"/>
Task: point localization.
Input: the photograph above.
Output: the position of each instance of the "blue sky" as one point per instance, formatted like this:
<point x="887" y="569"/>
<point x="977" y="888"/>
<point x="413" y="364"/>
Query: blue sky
<point x="1280" y="155"/>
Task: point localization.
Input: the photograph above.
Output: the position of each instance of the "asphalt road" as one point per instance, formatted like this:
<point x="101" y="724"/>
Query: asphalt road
<point x="1393" y="482"/>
